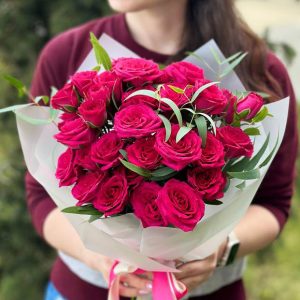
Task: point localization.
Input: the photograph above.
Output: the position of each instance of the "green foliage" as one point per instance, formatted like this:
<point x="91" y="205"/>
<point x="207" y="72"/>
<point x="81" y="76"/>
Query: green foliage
<point x="25" y="26"/>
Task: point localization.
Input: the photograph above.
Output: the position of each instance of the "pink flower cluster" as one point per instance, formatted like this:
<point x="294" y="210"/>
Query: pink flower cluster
<point x="102" y="125"/>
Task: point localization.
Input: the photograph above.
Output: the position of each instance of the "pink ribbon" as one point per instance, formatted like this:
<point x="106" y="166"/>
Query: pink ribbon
<point x="165" y="285"/>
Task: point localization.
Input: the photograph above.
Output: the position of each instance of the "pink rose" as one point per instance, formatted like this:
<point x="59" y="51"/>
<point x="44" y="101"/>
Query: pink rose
<point x="137" y="71"/>
<point x="112" y="196"/>
<point x="133" y="179"/>
<point x="140" y="99"/>
<point x="167" y="92"/>
<point x="65" y="99"/>
<point x="93" y="111"/>
<point x="65" y="118"/>
<point x="87" y="186"/>
<point x="83" y="81"/>
<point x="66" y="173"/>
<point x="213" y="153"/>
<point x="136" y="121"/>
<point x="180" y="205"/>
<point x="178" y="155"/>
<point x="230" y="108"/>
<point x="75" y="134"/>
<point x="211" y="100"/>
<point x="144" y="203"/>
<point x="252" y="102"/>
<point x="83" y="159"/>
<point x="142" y="154"/>
<point x="110" y="81"/>
<point x="100" y="93"/>
<point x="209" y="182"/>
<point x="235" y="141"/>
<point x="105" y="151"/>
<point x="184" y="72"/>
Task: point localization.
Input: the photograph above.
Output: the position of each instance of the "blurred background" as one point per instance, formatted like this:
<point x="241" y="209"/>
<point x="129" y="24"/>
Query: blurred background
<point x="25" y="26"/>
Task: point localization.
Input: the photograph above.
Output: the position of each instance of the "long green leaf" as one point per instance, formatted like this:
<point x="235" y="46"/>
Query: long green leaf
<point x="83" y="210"/>
<point x="182" y="132"/>
<point x="210" y="120"/>
<point x="13" y="108"/>
<point x="163" y="171"/>
<point x="201" y="89"/>
<point x="22" y="90"/>
<point x="141" y="171"/>
<point x="232" y="65"/>
<point x="167" y="125"/>
<point x="231" y="58"/>
<point x="239" y="166"/>
<point x="102" y="56"/>
<point x="252" y="131"/>
<point x="147" y="93"/>
<point x="246" y="175"/>
<point x="215" y="55"/>
<point x="262" y="114"/>
<point x="175" y="109"/>
<point x="269" y="157"/>
<point x="202" y="129"/>
<point x="176" y="89"/>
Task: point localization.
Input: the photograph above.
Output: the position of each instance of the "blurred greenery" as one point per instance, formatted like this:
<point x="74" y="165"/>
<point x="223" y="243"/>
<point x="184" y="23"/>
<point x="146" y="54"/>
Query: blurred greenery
<point x="25" y="260"/>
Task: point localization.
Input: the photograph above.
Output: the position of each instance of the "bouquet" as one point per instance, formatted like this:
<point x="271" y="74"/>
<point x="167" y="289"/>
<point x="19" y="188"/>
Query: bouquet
<point x="152" y="163"/>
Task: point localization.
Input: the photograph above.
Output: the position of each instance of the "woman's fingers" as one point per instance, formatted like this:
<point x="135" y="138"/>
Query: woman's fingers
<point x="134" y="285"/>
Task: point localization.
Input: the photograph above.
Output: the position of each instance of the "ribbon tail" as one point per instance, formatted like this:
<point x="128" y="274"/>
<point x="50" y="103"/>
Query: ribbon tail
<point x="114" y="284"/>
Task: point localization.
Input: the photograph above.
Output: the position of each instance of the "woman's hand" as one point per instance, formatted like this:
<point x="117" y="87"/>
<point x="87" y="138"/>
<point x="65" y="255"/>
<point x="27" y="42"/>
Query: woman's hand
<point x="197" y="272"/>
<point x="131" y="285"/>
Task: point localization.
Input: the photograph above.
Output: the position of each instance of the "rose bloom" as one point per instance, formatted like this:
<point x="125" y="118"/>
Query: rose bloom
<point x="211" y="100"/>
<point x="136" y="71"/>
<point x="180" y="205"/>
<point x="142" y="154"/>
<point x="112" y="196"/>
<point x="136" y="121"/>
<point x="83" y="159"/>
<point x="105" y="151"/>
<point x="65" y="99"/>
<point x="235" y="141"/>
<point x="209" y="182"/>
<point x="143" y="200"/>
<point x="252" y="102"/>
<point x="229" y="109"/>
<point x="87" y="186"/>
<point x="75" y="134"/>
<point x="178" y="155"/>
<point x="93" y="111"/>
<point x="212" y="154"/>
<point x="184" y="72"/>
<point x="97" y="92"/>
<point x="66" y="173"/>
<point x="83" y="81"/>
<point x="133" y="179"/>
<point x="65" y="118"/>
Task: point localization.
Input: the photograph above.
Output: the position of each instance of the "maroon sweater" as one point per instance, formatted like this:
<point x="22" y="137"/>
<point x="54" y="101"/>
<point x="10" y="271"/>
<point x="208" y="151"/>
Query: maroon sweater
<point x="62" y="56"/>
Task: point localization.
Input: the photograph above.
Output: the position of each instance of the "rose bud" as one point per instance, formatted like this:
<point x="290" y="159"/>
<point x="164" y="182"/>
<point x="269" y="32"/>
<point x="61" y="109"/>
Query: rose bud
<point x="252" y="102"/>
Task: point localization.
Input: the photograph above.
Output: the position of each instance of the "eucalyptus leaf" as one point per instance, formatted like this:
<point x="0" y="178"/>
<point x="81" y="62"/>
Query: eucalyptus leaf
<point x="22" y="90"/>
<point x="83" y="210"/>
<point x="215" y="55"/>
<point x="124" y="153"/>
<point x="147" y="93"/>
<point x="245" y="175"/>
<point x="175" y="109"/>
<point x="182" y="132"/>
<point x="210" y="120"/>
<point x="239" y="166"/>
<point x="269" y="157"/>
<point x="233" y="64"/>
<point x="202" y="129"/>
<point x="231" y="58"/>
<point x="176" y="89"/>
<point x="201" y="89"/>
<point x="167" y="125"/>
<point x="141" y="171"/>
<point x="163" y="171"/>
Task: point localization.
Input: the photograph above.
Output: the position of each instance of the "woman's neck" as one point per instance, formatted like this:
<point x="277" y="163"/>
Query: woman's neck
<point x="159" y="28"/>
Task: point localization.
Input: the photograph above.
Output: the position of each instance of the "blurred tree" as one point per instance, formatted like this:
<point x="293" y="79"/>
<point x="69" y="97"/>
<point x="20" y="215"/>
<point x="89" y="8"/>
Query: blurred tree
<point x="25" y="26"/>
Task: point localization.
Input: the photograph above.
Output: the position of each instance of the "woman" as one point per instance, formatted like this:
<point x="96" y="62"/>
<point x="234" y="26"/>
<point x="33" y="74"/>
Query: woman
<point x="163" y="30"/>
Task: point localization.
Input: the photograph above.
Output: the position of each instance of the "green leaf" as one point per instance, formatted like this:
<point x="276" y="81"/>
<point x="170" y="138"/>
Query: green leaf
<point x="147" y="93"/>
<point x="201" y="89"/>
<point x="202" y="129"/>
<point x="232" y="65"/>
<point x="210" y="120"/>
<point x="22" y="90"/>
<point x="176" y="89"/>
<point x="243" y="114"/>
<point x="94" y="218"/>
<point x="252" y="131"/>
<point x="182" y="132"/>
<point x="231" y="58"/>
<point x="124" y="153"/>
<point x="141" y="171"/>
<point x="214" y="202"/>
<point x="163" y="171"/>
<point x="239" y="166"/>
<point x="269" y="157"/>
<point x="102" y="56"/>
<point x="241" y="186"/>
<point x="202" y="60"/>
<point x="167" y="125"/>
<point x="261" y="115"/>
<point x="13" y="108"/>
<point x="175" y="109"/>
<point x="83" y="210"/>
<point x="45" y="99"/>
<point x="245" y="175"/>
<point x="97" y="68"/>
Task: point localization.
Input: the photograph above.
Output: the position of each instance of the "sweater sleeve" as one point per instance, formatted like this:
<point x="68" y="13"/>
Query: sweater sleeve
<point x="276" y="190"/>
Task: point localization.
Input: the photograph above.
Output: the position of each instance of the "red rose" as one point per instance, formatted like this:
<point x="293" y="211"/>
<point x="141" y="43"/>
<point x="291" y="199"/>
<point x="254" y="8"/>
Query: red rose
<point x="253" y="103"/>
<point x="112" y="82"/>
<point x="178" y="155"/>
<point x="112" y="196"/>
<point x="211" y="100"/>
<point x="83" y="159"/>
<point x="65" y="118"/>
<point x="86" y="187"/>
<point x="136" y="121"/>
<point x="231" y="102"/>
<point x="235" y="141"/>
<point x="139" y="99"/>
<point x="106" y="150"/>
<point x="83" y="81"/>
<point x="97" y="92"/>
<point x="209" y="182"/>
<point x="66" y="173"/>
<point x="133" y="179"/>
<point x="137" y="71"/>
<point x="213" y="153"/>
<point x="75" y="134"/>
<point x="93" y="111"/>
<point x="143" y="201"/>
<point x="184" y="72"/>
<point x="167" y="92"/>
<point x="180" y="205"/>
<point x="65" y="99"/>
<point x="142" y="154"/>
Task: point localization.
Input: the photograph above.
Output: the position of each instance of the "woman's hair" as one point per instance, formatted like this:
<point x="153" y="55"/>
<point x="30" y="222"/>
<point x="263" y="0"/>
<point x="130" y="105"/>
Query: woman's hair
<point x="219" y="20"/>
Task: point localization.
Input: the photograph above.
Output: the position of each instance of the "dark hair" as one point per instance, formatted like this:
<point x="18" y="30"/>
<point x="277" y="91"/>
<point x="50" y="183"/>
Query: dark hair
<point x="220" y="20"/>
